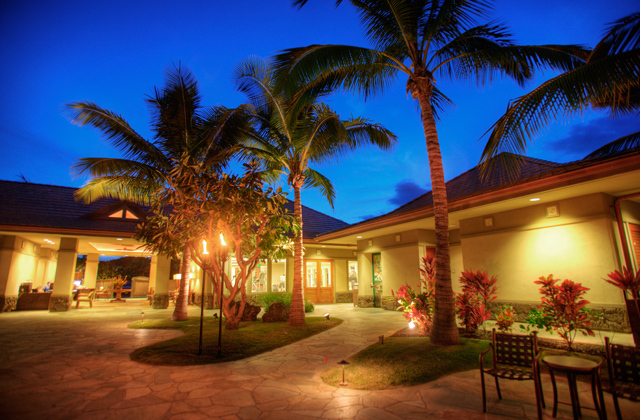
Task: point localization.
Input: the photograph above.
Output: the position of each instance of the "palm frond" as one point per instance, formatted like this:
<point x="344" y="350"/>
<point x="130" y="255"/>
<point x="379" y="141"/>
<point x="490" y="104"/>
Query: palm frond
<point x="116" y="130"/>
<point x="559" y="97"/>
<point x="628" y="142"/>
<point x="314" y="179"/>
<point x="119" y="187"/>
<point x="114" y="167"/>
<point x="174" y="111"/>
<point x="317" y="70"/>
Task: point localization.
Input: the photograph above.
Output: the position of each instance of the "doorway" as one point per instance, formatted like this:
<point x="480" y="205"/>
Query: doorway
<point x="376" y="262"/>
<point x="318" y="281"/>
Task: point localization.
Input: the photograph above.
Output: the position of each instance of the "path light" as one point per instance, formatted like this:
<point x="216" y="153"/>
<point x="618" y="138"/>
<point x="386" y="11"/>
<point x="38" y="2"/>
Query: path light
<point x="343" y="363"/>
<point x="327" y="317"/>
<point x="142" y="316"/>
<point x="412" y="324"/>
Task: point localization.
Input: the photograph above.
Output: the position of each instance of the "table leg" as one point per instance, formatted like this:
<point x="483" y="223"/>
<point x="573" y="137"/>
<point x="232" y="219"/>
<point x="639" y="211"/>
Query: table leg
<point x="573" y="391"/>
<point x="555" y="393"/>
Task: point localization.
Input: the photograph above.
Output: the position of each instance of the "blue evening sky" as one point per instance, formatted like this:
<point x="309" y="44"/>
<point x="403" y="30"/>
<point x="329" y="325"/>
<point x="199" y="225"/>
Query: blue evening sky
<point x="115" y="52"/>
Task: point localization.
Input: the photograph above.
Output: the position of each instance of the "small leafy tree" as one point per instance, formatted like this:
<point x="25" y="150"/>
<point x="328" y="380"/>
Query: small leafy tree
<point x="205" y="205"/>
<point x="418" y="307"/>
<point x="477" y="291"/>
<point x="564" y="309"/>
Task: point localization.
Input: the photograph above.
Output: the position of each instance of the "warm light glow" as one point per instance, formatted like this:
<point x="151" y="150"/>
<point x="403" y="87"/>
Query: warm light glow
<point x="204" y="247"/>
<point x="412" y="325"/>
<point x="222" y="242"/>
<point x="534" y="199"/>
<point x="118" y="239"/>
<point x="359" y="237"/>
<point x="399" y="301"/>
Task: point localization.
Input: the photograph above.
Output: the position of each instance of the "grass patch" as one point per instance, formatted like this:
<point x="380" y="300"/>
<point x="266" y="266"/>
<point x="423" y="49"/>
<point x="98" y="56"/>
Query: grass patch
<point x="406" y="362"/>
<point x="250" y="339"/>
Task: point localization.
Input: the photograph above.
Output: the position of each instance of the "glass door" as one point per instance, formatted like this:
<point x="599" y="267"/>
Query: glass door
<point x="319" y="281"/>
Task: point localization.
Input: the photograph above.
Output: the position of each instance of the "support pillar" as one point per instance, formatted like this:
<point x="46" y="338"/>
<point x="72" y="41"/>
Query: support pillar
<point x="91" y="271"/>
<point x="61" y="299"/>
<point x="159" y="278"/>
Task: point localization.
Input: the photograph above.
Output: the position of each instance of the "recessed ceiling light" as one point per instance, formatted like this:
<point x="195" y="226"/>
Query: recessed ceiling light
<point x="359" y="237"/>
<point x="118" y="239"/>
<point x="534" y="199"/>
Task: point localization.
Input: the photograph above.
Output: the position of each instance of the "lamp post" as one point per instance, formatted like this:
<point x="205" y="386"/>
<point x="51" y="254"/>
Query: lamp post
<point x="223" y="260"/>
<point x="204" y="278"/>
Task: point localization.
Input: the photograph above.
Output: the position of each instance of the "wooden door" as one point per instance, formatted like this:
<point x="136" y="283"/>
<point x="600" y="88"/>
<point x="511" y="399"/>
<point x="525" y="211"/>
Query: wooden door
<point x="635" y="241"/>
<point x="318" y="281"/>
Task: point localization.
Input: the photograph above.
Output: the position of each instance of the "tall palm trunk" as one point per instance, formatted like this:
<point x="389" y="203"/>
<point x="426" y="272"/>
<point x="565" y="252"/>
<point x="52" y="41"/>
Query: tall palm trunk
<point x="444" y="330"/>
<point x="182" y="302"/>
<point x="296" y="311"/>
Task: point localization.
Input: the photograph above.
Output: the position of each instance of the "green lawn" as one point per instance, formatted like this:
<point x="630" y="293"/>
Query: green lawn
<point x="406" y="361"/>
<point x="250" y="339"/>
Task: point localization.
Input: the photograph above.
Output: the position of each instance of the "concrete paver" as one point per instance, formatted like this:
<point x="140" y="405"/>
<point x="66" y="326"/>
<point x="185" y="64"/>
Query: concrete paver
<point x="76" y="365"/>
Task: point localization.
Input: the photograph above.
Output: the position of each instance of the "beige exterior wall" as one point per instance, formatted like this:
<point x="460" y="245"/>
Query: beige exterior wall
<point x="18" y="264"/>
<point x="47" y="263"/>
<point x="524" y="244"/>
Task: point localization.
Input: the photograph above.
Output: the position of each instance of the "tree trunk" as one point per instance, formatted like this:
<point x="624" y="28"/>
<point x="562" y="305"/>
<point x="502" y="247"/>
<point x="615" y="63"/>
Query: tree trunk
<point x="182" y="302"/>
<point x="296" y="310"/>
<point x="444" y="330"/>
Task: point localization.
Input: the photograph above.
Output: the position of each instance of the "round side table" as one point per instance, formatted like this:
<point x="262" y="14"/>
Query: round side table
<point x="573" y="366"/>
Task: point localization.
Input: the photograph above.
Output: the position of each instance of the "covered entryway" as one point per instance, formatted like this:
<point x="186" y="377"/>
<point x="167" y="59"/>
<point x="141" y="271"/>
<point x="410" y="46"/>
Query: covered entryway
<point x="319" y="281"/>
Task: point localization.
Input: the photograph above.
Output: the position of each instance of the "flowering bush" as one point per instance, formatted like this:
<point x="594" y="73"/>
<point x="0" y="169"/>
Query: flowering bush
<point x="505" y="318"/>
<point x="563" y="308"/>
<point x="471" y="305"/>
<point x="418" y="307"/>
<point x="118" y="282"/>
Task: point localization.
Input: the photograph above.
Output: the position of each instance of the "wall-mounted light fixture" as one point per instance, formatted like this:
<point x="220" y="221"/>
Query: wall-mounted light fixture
<point x="553" y="211"/>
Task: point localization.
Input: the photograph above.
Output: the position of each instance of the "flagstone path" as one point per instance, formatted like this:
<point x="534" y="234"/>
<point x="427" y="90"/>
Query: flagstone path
<point x="76" y="365"/>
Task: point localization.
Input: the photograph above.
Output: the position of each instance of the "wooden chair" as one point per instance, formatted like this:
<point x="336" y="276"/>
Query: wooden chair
<point x="514" y="357"/>
<point x="624" y="372"/>
<point x="85" y="295"/>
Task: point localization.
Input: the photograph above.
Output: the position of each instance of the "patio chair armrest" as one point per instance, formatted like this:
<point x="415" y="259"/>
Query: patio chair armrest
<point x="483" y="353"/>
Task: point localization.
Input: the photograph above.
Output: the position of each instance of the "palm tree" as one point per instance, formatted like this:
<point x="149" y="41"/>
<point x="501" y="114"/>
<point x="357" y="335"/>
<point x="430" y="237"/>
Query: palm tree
<point x="421" y="39"/>
<point x="181" y="128"/>
<point x="290" y="135"/>
<point x="608" y="77"/>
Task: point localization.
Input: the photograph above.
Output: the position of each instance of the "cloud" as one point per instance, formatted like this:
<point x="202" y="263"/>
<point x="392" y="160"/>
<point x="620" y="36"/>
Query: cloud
<point x="406" y="191"/>
<point x="583" y="139"/>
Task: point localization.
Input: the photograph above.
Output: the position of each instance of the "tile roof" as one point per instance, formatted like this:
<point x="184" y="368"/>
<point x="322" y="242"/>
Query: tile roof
<point x="53" y="207"/>
<point x="470" y="183"/>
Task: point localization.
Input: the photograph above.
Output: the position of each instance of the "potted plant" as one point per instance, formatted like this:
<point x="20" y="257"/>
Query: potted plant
<point x="629" y="283"/>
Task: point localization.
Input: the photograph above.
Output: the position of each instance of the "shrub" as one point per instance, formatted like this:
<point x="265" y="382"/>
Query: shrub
<point x="471" y="305"/>
<point x="418" y="307"/>
<point x="270" y="297"/>
<point x="563" y="308"/>
<point x="265" y="300"/>
<point x="308" y="306"/>
<point x="505" y="318"/>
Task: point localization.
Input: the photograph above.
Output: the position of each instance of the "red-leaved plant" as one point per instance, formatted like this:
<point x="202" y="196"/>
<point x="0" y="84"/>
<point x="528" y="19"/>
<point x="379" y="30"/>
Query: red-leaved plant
<point x="418" y="307"/>
<point x="630" y="285"/>
<point x="505" y="318"/>
<point x="471" y="305"/>
<point x="626" y="281"/>
<point x="565" y="308"/>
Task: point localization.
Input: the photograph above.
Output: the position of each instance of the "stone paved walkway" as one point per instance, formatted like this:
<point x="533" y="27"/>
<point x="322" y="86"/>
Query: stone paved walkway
<point x="75" y="365"/>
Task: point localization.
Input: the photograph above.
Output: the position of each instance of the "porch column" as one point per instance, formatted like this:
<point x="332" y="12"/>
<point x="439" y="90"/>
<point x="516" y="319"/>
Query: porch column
<point x="91" y="271"/>
<point x="61" y="299"/>
<point x="15" y="268"/>
<point x="159" y="278"/>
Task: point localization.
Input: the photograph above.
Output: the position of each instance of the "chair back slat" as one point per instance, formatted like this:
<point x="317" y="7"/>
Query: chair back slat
<point x="514" y="350"/>
<point x="625" y="362"/>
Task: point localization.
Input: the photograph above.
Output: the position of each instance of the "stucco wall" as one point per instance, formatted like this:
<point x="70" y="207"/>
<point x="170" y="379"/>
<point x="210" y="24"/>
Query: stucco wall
<point x="18" y="264"/>
<point x="526" y="244"/>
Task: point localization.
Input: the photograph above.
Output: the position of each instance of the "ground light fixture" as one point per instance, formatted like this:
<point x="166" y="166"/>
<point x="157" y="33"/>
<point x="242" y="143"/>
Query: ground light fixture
<point x="343" y="363"/>
<point x="327" y="317"/>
